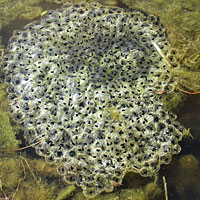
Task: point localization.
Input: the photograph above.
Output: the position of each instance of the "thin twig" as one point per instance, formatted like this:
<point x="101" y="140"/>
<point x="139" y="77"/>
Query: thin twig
<point x="161" y="53"/>
<point x="165" y="188"/>
<point x="189" y="92"/>
<point x="29" y="168"/>
<point x="10" y="150"/>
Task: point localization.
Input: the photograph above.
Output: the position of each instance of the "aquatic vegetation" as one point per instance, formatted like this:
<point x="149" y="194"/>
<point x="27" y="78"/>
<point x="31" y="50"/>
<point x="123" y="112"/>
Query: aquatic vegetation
<point x="15" y="11"/>
<point x="7" y="131"/>
<point x="66" y="192"/>
<point x="7" y="135"/>
<point x="11" y="11"/>
<point x="10" y="172"/>
<point x="20" y="178"/>
<point x="180" y="18"/>
<point x="43" y="168"/>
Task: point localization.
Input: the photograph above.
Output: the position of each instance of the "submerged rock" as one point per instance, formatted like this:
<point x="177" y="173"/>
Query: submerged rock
<point x="87" y="81"/>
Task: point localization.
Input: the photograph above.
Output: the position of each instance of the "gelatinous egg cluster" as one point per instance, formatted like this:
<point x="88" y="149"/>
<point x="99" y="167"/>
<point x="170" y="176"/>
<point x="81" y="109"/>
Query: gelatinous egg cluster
<point x="85" y="81"/>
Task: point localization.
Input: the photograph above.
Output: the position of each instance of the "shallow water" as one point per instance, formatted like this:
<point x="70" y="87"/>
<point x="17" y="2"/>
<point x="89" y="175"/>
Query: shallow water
<point x="182" y="174"/>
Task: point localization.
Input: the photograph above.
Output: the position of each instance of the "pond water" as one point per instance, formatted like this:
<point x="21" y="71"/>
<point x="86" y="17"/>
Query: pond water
<point x="25" y="175"/>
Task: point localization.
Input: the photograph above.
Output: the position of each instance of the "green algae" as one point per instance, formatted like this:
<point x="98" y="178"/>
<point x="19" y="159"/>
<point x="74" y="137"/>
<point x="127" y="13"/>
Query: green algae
<point x="3" y="97"/>
<point x="43" y="168"/>
<point x="7" y="135"/>
<point x="18" y="10"/>
<point x="20" y="180"/>
<point x="177" y="16"/>
<point x="187" y="82"/>
<point x="30" y="190"/>
<point x="66" y="192"/>
<point x="10" y="172"/>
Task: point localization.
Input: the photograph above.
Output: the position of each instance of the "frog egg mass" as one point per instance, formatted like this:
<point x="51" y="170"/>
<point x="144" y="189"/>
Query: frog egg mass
<point x="85" y="82"/>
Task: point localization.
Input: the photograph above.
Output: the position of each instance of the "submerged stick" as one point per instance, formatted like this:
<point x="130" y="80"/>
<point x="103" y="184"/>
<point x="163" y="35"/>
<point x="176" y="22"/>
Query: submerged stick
<point x="165" y="188"/>
<point x="29" y="168"/>
<point x="161" y="53"/>
<point x="10" y="150"/>
<point x="189" y="92"/>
